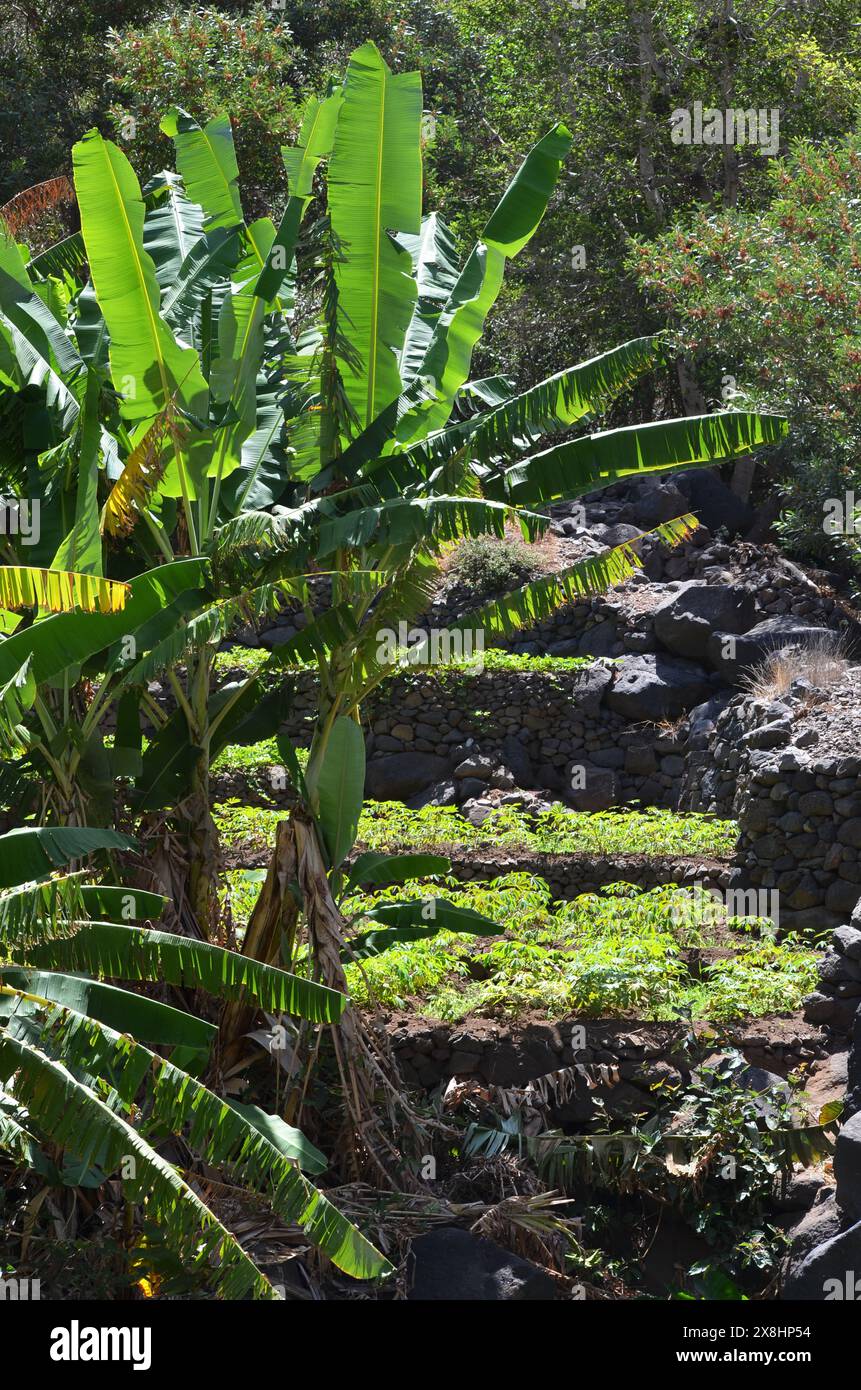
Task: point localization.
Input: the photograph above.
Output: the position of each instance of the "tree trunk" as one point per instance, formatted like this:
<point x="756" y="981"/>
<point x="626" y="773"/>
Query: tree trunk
<point x="204" y="853"/>
<point x="742" y="477"/>
<point x="370" y="1085"/>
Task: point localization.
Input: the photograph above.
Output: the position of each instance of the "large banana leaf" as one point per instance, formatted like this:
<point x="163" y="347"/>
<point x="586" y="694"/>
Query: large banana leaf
<point x="407" y="521"/>
<point x="136" y="953"/>
<point x="417" y="920"/>
<point x="22" y="306"/>
<point x="67" y="639"/>
<point x="209" y="260"/>
<point x="435" y="267"/>
<point x="570" y="469"/>
<point x="66" y="257"/>
<point x="141" y="474"/>
<point x="551" y="405"/>
<point x="82" y="548"/>
<point x="16" y="697"/>
<point x="172" y="227"/>
<point x="446" y="361"/>
<point x="313" y="144"/>
<point x="341" y="788"/>
<point x="147" y="1020"/>
<point x="59" y="591"/>
<point x="234" y="374"/>
<point x="122" y="903"/>
<point x="374" y="187"/>
<point x="151" y="370"/>
<point x="31" y="852"/>
<point x="223" y="1133"/>
<point x="206" y="159"/>
<point x="73" y="1118"/>
<point x="377" y="870"/>
<point x="34" y="912"/>
<point x="26" y="361"/>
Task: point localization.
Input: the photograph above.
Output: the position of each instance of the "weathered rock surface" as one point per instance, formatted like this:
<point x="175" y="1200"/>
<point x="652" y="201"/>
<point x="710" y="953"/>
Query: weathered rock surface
<point x="654" y="687"/>
<point x="685" y="621"/>
<point x="455" y="1265"/>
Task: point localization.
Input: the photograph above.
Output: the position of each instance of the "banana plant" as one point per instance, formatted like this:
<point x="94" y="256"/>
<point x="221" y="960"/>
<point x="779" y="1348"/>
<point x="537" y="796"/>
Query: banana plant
<point x="276" y="403"/>
<point x="86" y="1090"/>
<point x="144" y="362"/>
<point x="396" y="454"/>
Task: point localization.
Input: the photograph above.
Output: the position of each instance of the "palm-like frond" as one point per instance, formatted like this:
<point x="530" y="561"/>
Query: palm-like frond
<point x="110" y="951"/>
<point x="539" y="599"/>
<point x="59" y="591"/>
<point x="34" y="912"/>
<point x="581" y="465"/>
<point x="73" y="1118"/>
<point x="552" y="405"/>
<point x="142" y="472"/>
<point x="16" y="697"/>
<point x="181" y="1104"/>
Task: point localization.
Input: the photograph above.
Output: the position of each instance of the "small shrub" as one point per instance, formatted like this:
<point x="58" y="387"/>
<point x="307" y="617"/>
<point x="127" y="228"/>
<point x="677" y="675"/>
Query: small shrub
<point x="485" y="565"/>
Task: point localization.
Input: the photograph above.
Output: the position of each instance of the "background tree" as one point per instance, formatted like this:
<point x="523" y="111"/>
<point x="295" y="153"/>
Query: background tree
<point x="771" y="298"/>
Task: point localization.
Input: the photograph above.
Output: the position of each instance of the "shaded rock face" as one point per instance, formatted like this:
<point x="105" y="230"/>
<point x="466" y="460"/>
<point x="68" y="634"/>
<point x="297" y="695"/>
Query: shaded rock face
<point x="402" y="774"/>
<point x="817" y="1229"/>
<point x="836" y="998"/>
<point x="451" y="1264"/>
<point x="847" y="1167"/>
<point x="853" y="1080"/>
<point x="715" y="504"/>
<point x="731" y="659"/>
<point x="788" y="769"/>
<point x="591" y="788"/>
<point x="830" y="1272"/>
<point x="686" y="620"/>
<point x="654" y="687"/>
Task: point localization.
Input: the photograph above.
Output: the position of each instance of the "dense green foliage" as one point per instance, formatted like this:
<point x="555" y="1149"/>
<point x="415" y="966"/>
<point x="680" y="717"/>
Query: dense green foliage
<point x="274" y="380"/>
<point x="771" y="297"/>
<point x="389" y="825"/>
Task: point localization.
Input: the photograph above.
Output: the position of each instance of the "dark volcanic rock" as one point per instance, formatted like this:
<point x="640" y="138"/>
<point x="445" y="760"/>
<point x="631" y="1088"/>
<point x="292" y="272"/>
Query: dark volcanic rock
<point x="685" y="621"/>
<point x="451" y="1264"/>
<point x="732" y="654"/>
<point x="402" y="774"/>
<point x="655" y="687"/>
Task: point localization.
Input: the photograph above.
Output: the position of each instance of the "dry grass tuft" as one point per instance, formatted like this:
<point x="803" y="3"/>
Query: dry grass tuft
<point x="823" y="662"/>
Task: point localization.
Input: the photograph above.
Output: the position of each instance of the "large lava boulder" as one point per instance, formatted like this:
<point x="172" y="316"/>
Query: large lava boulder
<point x="589" y="686"/>
<point x="715" y="504"/>
<point x="454" y="1265"/>
<point x="653" y="687"/>
<point x="400" y="775"/>
<point x="847" y="1167"/>
<point x="829" y="1268"/>
<point x="653" y="500"/>
<point x="732" y="654"/>
<point x="685" y="620"/>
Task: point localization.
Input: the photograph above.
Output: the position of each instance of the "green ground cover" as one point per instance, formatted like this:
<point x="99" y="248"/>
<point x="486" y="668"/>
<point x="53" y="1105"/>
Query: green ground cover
<point x="389" y="825"/>
<point x="620" y="952"/>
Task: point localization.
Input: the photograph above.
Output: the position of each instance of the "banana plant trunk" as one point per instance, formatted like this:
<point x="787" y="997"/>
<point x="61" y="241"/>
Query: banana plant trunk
<point x="370" y="1085"/>
<point x="204" y="847"/>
